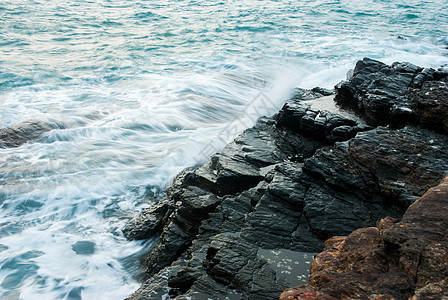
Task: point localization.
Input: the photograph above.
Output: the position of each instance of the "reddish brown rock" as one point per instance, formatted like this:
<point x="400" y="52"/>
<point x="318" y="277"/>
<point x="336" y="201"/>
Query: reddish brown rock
<point x="396" y="260"/>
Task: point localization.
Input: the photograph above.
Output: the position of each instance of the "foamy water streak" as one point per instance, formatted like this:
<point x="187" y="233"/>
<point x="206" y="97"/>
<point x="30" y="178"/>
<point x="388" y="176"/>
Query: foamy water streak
<point x="142" y="90"/>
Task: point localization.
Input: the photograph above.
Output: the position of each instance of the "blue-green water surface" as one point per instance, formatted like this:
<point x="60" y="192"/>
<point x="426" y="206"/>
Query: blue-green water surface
<point x="141" y="89"/>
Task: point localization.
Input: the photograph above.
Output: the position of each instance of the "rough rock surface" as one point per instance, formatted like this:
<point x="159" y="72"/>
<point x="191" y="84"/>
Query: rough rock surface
<point x="399" y="94"/>
<point x="286" y="185"/>
<point x="395" y="260"/>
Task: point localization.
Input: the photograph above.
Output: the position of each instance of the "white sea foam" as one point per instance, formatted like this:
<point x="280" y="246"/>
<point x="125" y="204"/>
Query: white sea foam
<point x="142" y="90"/>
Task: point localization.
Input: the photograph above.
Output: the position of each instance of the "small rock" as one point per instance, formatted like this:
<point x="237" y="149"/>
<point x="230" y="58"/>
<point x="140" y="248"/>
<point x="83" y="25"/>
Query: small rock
<point x="84" y="247"/>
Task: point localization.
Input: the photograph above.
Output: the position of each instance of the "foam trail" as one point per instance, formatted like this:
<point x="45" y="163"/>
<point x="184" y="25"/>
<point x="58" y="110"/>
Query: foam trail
<point x="137" y="91"/>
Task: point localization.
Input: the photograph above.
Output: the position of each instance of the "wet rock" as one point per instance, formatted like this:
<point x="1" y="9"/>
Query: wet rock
<point x="22" y="133"/>
<point x="398" y="164"/>
<point x="84" y="247"/>
<point x="148" y="222"/>
<point x="322" y="125"/>
<point x="322" y="91"/>
<point x="227" y="175"/>
<point x="396" y="94"/>
<point x="430" y="103"/>
<point x="157" y="287"/>
<point x="290" y="183"/>
<point x="232" y="261"/>
<point x="396" y="260"/>
<point x="237" y="167"/>
<point x="349" y="185"/>
<point x="191" y="207"/>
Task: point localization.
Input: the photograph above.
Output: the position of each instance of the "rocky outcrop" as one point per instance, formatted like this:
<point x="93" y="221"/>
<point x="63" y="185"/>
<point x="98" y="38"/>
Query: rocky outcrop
<point x="245" y="224"/>
<point x="395" y="260"/>
<point x="399" y="94"/>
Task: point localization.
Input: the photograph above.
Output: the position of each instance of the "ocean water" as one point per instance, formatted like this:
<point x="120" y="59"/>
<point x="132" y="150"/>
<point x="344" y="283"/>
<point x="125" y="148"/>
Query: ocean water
<point x="142" y="89"/>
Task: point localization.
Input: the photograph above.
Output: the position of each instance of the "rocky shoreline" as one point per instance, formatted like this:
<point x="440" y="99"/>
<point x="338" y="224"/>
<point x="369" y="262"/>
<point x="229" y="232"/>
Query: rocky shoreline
<point x="240" y="226"/>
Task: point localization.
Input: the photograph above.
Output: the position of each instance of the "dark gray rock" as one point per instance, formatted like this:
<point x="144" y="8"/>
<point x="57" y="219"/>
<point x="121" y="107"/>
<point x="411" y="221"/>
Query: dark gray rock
<point x="430" y="104"/>
<point x="237" y="167"/>
<point x="291" y="182"/>
<point x="324" y="126"/>
<point x="395" y="94"/>
<point x="149" y="222"/>
<point x="191" y="207"/>
<point x="233" y="262"/>
<point x="304" y="94"/>
<point x="157" y="286"/>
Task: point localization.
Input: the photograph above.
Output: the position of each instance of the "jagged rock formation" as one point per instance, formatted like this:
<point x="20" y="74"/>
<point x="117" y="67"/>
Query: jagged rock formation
<point x="399" y="94"/>
<point x="293" y="181"/>
<point x="395" y="260"/>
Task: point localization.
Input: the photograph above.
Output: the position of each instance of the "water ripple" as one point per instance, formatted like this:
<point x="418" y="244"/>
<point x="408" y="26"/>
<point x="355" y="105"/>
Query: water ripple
<point x="137" y="89"/>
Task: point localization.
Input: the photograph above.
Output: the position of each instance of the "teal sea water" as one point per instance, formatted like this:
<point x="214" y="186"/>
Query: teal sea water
<point x="143" y="89"/>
